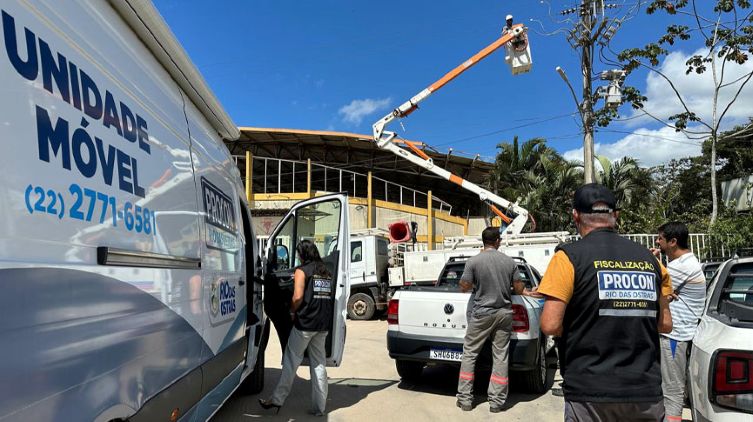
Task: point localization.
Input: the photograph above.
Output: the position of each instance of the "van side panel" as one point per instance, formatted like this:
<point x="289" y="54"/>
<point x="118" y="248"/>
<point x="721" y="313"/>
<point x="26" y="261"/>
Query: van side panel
<point x="95" y="152"/>
<point x="219" y="194"/>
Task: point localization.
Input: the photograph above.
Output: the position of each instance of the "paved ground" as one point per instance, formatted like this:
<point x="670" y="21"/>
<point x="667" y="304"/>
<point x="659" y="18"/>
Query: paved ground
<point x="366" y="387"/>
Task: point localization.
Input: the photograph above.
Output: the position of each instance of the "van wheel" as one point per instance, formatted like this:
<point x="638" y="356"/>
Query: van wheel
<point x="361" y="307"/>
<point x="409" y="370"/>
<point x="535" y="381"/>
<point x="254" y="383"/>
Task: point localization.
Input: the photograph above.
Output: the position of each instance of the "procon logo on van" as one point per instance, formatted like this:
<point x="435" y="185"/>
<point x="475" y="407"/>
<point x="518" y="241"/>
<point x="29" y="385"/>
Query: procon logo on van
<point x="220" y="216"/>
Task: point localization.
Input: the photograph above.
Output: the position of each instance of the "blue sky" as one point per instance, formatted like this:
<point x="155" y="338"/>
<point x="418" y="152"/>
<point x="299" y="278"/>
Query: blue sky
<point x="340" y="65"/>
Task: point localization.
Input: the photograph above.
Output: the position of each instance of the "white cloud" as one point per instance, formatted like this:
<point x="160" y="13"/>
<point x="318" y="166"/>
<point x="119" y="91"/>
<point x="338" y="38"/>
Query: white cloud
<point x="660" y="145"/>
<point x="649" y="147"/>
<point x="358" y="109"/>
<point x="697" y="91"/>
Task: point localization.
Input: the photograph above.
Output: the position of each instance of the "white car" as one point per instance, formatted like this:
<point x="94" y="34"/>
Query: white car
<point x="427" y="324"/>
<point x="721" y="361"/>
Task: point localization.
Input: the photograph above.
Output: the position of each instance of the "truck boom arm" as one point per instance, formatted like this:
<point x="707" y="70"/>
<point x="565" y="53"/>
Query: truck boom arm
<point x="386" y="139"/>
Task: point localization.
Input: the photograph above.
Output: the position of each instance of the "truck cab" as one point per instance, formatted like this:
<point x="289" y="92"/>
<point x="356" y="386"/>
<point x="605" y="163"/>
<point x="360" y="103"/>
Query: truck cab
<point x="368" y="275"/>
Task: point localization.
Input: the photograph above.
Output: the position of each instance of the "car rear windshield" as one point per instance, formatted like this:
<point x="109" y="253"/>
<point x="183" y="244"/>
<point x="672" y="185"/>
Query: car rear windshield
<point x="736" y="295"/>
<point x="452" y="273"/>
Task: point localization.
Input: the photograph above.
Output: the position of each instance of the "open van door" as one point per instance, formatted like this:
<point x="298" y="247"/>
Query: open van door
<point x="324" y="221"/>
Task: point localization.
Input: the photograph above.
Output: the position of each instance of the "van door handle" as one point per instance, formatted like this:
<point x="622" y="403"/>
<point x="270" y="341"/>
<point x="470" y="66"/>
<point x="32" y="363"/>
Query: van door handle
<point x="241" y="282"/>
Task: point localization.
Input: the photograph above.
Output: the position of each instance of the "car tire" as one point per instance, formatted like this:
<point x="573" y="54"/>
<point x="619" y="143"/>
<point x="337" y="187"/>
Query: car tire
<point x="361" y="307"/>
<point x="254" y="383"/>
<point x="536" y="380"/>
<point x="409" y="370"/>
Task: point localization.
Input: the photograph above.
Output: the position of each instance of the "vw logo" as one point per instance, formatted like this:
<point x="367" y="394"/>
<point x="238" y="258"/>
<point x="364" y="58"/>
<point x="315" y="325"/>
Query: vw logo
<point x="449" y="309"/>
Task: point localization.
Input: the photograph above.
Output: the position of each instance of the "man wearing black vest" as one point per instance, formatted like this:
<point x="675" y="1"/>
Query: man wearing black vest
<point x="607" y="300"/>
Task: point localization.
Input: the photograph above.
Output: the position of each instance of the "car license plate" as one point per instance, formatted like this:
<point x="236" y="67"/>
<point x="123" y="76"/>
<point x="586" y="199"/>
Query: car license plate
<point x="446" y="354"/>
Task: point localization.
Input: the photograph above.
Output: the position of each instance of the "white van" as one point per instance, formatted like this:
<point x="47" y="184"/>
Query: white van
<point x="131" y="287"/>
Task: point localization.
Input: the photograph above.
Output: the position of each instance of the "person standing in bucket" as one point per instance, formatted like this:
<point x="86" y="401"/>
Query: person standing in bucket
<point x="689" y="286"/>
<point x="311" y="311"/>
<point x="607" y="298"/>
<point x="491" y="275"/>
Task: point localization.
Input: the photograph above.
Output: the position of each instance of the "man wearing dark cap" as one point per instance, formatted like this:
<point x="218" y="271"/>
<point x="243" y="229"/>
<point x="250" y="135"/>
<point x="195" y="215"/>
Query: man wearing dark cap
<point x="607" y="301"/>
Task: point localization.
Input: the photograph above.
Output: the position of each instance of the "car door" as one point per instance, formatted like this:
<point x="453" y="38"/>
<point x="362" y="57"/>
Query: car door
<point x="323" y="220"/>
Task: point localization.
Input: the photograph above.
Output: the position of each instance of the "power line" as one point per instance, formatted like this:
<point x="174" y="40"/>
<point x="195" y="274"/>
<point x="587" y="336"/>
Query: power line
<point x="470" y="138"/>
<point x="689" y="142"/>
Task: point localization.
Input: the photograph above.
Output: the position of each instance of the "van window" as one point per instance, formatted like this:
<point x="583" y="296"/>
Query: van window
<point x="284" y="250"/>
<point x="356" y="251"/>
<point x="382" y="247"/>
<point x="320" y="223"/>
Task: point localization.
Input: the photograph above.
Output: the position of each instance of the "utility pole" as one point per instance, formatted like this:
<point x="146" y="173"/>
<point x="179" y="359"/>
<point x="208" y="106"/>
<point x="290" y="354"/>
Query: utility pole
<point x="586" y="66"/>
<point x="592" y="26"/>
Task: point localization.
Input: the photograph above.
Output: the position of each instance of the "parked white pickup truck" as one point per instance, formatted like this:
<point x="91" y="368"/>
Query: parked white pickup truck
<point x="426" y="326"/>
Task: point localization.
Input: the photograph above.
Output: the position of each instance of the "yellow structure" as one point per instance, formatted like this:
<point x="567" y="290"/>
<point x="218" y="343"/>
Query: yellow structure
<point x="369" y="212"/>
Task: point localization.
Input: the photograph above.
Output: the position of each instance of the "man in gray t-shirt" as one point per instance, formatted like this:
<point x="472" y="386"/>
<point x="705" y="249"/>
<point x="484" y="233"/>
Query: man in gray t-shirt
<point x="491" y="275"/>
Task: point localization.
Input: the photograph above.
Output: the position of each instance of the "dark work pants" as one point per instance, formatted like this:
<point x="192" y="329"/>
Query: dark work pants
<point x="577" y="411"/>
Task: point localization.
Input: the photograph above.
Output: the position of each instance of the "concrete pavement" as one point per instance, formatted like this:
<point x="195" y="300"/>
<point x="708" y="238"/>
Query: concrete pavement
<point x="366" y="387"/>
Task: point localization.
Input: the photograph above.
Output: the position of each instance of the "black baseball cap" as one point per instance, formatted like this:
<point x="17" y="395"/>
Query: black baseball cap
<point x="589" y="194"/>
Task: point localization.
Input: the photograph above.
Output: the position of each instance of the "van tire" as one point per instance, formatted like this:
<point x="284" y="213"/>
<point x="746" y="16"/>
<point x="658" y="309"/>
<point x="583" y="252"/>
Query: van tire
<point x="536" y="380"/>
<point x="409" y="370"/>
<point x="254" y="382"/>
<point x="361" y="307"/>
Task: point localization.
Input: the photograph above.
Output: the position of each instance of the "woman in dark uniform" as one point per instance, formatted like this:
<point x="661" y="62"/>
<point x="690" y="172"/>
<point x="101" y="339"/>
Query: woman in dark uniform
<point x="311" y="312"/>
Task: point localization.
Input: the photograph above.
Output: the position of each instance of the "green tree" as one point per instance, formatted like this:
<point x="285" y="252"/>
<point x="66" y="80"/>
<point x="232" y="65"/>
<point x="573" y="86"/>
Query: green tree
<point x="734" y="151"/>
<point x="539" y="178"/>
<point x="725" y="28"/>
<point x="619" y="176"/>
<point x="549" y="194"/>
<point x="514" y="160"/>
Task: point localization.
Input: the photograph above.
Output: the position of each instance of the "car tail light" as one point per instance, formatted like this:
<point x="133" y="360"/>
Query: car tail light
<point x="519" y="319"/>
<point x="732" y="379"/>
<point x="392" y="309"/>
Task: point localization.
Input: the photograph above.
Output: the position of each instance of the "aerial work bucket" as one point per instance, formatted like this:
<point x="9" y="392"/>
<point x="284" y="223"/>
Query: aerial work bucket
<point x="517" y="51"/>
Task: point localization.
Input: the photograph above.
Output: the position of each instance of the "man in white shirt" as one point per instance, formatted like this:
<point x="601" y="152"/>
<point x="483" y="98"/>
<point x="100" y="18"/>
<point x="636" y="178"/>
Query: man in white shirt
<point x="689" y="286"/>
